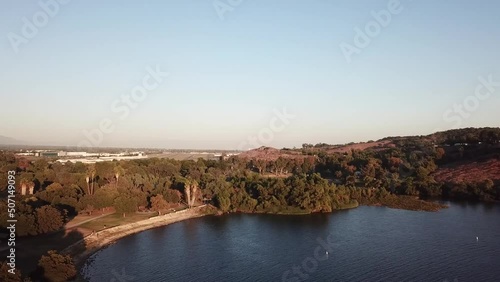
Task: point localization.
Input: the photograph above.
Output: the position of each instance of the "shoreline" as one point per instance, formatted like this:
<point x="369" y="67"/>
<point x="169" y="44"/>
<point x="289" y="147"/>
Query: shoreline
<point x="82" y="250"/>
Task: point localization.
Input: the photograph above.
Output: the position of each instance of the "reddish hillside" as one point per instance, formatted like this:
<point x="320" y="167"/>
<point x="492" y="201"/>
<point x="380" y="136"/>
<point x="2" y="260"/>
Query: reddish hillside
<point x="268" y="153"/>
<point x="361" y="146"/>
<point x="469" y="172"/>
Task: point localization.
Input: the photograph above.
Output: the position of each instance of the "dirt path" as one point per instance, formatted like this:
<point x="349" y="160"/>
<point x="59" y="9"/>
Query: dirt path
<point x="81" y="250"/>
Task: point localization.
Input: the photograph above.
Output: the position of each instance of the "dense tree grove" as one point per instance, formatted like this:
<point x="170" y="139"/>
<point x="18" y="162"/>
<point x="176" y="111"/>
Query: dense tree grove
<point x="55" y="267"/>
<point x="314" y="180"/>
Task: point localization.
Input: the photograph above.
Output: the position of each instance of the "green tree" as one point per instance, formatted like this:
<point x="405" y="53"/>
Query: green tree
<point x="105" y="172"/>
<point x="125" y="203"/>
<point x="105" y="197"/>
<point x="223" y="202"/>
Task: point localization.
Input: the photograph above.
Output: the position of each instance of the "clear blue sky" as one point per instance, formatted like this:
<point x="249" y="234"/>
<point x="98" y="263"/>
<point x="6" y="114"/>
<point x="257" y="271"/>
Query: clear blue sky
<point x="227" y="76"/>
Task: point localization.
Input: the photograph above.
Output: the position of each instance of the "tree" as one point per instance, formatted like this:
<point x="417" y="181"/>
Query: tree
<point x="57" y="268"/>
<point x="307" y="146"/>
<point x="408" y="187"/>
<point x="48" y="219"/>
<point x="223" y="201"/>
<point x="190" y="190"/>
<point x="26" y="225"/>
<point x="187" y="191"/>
<point x="158" y="203"/>
<point x="171" y="195"/>
<point x="440" y="153"/>
<point x="91" y="171"/>
<point x="105" y="172"/>
<point x="87" y="179"/>
<point x="281" y="165"/>
<point x="194" y="190"/>
<point x="261" y="165"/>
<point x="54" y="187"/>
<point x="487" y="185"/>
<point x="6" y="276"/>
<point x="105" y="197"/>
<point x="125" y="203"/>
<point x="119" y="171"/>
<point x="422" y="174"/>
<point x="26" y="185"/>
<point x="350" y="180"/>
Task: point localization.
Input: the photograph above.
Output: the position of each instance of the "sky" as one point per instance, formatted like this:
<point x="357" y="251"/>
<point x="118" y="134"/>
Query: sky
<point x="245" y="73"/>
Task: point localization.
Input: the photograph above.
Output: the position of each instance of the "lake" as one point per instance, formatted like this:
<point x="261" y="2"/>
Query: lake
<point x="363" y="244"/>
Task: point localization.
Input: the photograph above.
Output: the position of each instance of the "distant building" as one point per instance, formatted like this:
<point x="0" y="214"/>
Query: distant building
<point x="92" y="160"/>
<point x="46" y="154"/>
<point x="26" y="154"/>
<point x="76" y="154"/>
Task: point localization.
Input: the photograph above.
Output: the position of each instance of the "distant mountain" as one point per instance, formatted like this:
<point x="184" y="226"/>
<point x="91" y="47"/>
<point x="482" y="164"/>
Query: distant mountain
<point x="4" y="140"/>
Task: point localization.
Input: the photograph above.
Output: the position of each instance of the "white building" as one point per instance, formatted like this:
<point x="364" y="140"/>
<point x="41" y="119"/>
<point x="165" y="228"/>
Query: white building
<point x="76" y="154"/>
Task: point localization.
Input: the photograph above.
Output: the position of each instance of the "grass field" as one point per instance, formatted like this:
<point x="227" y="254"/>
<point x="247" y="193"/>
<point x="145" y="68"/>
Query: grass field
<point x="115" y="220"/>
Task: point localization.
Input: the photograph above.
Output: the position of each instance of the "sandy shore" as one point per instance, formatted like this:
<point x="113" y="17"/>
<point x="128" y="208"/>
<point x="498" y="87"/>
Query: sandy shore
<point x="84" y="248"/>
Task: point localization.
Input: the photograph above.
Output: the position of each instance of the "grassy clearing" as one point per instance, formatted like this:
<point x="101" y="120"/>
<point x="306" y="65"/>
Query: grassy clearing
<point x="404" y="203"/>
<point x="115" y="219"/>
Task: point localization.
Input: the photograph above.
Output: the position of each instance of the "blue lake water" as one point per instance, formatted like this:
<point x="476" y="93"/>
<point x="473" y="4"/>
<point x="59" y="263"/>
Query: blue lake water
<point x="363" y="244"/>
